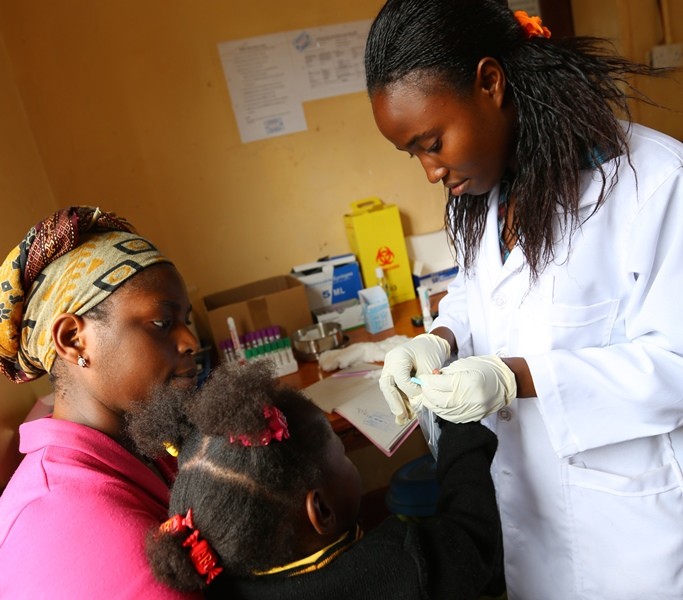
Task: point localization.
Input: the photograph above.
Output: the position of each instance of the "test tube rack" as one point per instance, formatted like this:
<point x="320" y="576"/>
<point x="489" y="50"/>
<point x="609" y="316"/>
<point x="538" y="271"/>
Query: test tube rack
<point x="267" y="343"/>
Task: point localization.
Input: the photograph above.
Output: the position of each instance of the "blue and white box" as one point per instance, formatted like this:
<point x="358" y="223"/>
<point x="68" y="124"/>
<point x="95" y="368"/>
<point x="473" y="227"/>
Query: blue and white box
<point x="330" y="280"/>
<point x="376" y="309"/>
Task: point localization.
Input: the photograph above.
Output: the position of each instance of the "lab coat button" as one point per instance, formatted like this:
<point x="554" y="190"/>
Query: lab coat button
<point x="505" y="414"/>
<point x="499" y="301"/>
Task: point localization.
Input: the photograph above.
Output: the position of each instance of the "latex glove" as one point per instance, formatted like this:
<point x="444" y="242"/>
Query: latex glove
<point x="469" y="389"/>
<point x="422" y="354"/>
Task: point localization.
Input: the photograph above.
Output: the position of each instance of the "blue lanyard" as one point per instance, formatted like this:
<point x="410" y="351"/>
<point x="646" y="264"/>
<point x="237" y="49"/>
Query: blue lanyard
<point x="503" y="201"/>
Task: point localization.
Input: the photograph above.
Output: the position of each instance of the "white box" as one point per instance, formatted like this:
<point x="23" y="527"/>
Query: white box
<point x="329" y="281"/>
<point x="376" y="310"/>
<point x="432" y="259"/>
<point x="348" y="314"/>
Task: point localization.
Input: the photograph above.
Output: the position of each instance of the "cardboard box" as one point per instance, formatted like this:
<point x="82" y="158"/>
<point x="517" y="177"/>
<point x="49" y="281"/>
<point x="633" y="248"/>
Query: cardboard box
<point x="349" y="314"/>
<point x="376" y="310"/>
<point x="375" y="235"/>
<point x="331" y="280"/>
<point x="278" y="300"/>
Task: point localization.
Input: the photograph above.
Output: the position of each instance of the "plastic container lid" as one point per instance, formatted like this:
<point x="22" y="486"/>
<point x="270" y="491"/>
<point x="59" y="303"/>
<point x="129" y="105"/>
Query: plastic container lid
<point x="413" y="490"/>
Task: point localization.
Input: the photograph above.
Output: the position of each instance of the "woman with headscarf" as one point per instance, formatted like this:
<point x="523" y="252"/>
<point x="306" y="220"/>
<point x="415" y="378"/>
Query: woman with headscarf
<point x="87" y="300"/>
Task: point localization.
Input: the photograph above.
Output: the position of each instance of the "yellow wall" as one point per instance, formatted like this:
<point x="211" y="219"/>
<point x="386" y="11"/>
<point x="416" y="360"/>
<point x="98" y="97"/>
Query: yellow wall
<point x="123" y="103"/>
<point x="130" y="110"/>
<point x="636" y="26"/>
<point x="25" y="196"/>
<point x="25" y="193"/>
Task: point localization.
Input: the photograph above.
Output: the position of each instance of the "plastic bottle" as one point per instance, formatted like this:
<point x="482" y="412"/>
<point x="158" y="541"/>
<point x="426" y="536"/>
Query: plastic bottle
<point x="425" y="305"/>
<point x="383" y="282"/>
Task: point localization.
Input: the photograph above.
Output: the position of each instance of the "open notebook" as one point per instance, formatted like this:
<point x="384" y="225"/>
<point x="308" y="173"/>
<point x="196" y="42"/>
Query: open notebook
<point x="354" y="394"/>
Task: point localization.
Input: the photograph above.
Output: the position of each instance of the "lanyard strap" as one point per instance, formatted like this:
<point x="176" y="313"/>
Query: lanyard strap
<point x="503" y="203"/>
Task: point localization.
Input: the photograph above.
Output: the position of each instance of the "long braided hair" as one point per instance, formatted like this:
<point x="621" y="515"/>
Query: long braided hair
<point x="568" y="94"/>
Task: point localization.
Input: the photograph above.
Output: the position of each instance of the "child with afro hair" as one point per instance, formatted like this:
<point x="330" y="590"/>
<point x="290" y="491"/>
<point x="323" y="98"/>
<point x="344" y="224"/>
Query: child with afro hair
<point x="265" y="503"/>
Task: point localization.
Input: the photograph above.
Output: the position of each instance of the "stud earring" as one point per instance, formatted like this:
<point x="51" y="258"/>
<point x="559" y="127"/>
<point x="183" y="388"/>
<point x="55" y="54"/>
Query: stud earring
<point x="82" y="362"/>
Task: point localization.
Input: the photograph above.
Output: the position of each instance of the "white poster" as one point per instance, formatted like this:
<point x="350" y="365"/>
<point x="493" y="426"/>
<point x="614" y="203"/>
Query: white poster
<point x="270" y="76"/>
<point x="330" y="60"/>
<point x="263" y="88"/>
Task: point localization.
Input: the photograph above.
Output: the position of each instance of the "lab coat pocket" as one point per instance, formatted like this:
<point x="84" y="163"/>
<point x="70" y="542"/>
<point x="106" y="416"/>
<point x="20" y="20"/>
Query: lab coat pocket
<point x="545" y="325"/>
<point x="628" y="539"/>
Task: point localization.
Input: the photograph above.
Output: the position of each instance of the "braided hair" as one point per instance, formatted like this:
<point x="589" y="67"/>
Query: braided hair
<point x="567" y="94"/>
<point x="246" y="499"/>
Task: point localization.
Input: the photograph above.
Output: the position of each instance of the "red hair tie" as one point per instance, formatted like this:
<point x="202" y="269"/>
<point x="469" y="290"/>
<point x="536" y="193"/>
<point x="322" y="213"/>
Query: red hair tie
<point x="177" y="523"/>
<point x="276" y="429"/>
<point x="533" y="26"/>
<point x="202" y="555"/>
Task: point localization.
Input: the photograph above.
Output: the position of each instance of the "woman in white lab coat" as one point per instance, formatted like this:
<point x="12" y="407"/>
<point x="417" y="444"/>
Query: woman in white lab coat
<point x="568" y="227"/>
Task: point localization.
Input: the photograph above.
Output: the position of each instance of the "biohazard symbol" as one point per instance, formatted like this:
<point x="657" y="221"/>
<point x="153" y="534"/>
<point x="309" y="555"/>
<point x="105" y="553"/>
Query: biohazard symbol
<point x="385" y="256"/>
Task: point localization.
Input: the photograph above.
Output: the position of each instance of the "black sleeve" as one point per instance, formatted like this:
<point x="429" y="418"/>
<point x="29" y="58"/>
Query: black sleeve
<point x="455" y="554"/>
<point x="463" y="543"/>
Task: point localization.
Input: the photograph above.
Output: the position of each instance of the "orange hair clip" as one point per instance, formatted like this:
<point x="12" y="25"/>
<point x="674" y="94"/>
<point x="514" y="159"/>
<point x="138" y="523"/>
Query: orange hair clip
<point x="533" y="26"/>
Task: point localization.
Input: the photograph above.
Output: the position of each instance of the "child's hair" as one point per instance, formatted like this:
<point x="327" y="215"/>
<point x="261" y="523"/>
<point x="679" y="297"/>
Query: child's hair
<point x="246" y="500"/>
<point x="566" y="94"/>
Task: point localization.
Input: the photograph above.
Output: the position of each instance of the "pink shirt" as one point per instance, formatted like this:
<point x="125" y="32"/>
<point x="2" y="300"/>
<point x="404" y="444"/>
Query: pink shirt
<point x="74" y="516"/>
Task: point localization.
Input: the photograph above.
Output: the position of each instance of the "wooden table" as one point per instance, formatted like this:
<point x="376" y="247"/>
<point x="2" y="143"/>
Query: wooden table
<point x="310" y="372"/>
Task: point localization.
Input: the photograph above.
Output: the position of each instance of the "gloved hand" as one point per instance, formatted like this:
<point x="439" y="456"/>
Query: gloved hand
<point x="469" y="389"/>
<point x="423" y="354"/>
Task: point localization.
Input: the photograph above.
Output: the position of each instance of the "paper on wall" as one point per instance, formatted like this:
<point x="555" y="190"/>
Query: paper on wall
<point x="270" y="76"/>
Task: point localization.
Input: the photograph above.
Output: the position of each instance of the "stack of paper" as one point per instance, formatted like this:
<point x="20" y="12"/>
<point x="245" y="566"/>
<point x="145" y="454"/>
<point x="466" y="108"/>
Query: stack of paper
<point x="354" y="394"/>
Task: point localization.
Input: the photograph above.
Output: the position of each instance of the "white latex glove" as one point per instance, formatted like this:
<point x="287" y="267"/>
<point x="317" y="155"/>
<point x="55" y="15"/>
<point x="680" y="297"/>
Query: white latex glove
<point x="423" y="354"/>
<point x="469" y="389"/>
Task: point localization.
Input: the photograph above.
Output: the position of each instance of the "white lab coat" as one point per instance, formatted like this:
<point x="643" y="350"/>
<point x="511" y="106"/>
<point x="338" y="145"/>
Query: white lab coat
<point x="589" y="474"/>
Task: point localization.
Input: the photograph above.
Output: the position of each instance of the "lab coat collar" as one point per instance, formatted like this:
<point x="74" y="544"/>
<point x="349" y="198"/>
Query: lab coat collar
<point x="490" y="264"/>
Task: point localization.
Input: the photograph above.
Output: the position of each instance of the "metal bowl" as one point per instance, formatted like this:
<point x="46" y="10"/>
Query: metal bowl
<point x="309" y="342"/>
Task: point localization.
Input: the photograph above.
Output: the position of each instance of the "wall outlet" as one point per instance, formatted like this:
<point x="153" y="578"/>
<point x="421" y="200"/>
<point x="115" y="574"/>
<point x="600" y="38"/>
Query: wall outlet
<point x="667" y="55"/>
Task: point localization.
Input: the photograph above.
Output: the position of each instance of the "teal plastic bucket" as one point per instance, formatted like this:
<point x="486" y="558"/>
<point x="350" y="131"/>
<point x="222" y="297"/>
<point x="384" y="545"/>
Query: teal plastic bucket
<point x="413" y="489"/>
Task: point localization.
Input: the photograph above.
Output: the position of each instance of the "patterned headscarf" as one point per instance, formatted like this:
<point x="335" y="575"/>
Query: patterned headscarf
<point x="67" y="263"/>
